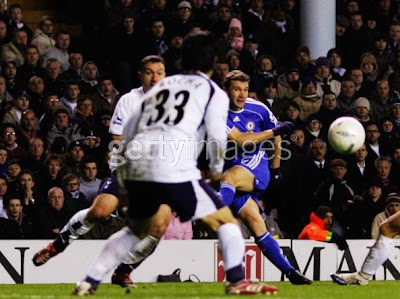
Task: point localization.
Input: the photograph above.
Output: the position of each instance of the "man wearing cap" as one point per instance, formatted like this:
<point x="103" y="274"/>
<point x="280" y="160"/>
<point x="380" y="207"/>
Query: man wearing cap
<point x="342" y="23"/>
<point x="309" y="101"/>
<point x="392" y="206"/>
<point x="319" y="228"/>
<point x="183" y="19"/>
<point x="362" y="110"/>
<point x="303" y="62"/>
<point x="74" y="157"/>
<point x="325" y="82"/>
<point x="43" y="36"/>
<point x="21" y="104"/>
<point x="335" y="192"/>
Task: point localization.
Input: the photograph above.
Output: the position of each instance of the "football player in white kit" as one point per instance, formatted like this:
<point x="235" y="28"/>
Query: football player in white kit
<point x="161" y="150"/>
<point x="152" y="70"/>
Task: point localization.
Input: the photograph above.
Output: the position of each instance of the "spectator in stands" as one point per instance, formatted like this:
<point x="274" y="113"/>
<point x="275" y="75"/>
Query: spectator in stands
<point x="51" y="174"/>
<point x="347" y="96"/>
<point x="15" y="213"/>
<point x="362" y="110"/>
<point x="74" y="71"/>
<point x="30" y="195"/>
<point x="355" y="40"/>
<point x="9" y="72"/>
<point x="220" y="20"/>
<point x="303" y="63"/>
<point x="74" y="158"/>
<point x="31" y="67"/>
<point x="336" y="193"/>
<point x="291" y="113"/>
<point x="233" y="59"/>
<point x="6" y="100"/>
<point x="328" y="112"/>
<point x="13" y="170"/>
<point x="313" y="130"/>
<point x="9" y="229"/>
<point x="269" y="96"/>
<point x="342" y="23"/>
<point x="394" y="66"/>
<point x="3" y="160"/>
<point x="90" y="76"/>
<point x="156" y="10"/>
<point x="265" y="72"/>
<point x="232" y="39"/>
<point x="360" y="170"/>
<point x="35" y="157"/>
<point x="63" y="126"/>
<point x="369" y="67"/>
<point x="316" y="166"/>
<point x="381" y="102"/>
<point x="289" y="84"/>
<point x="15" y="22"/>
<point x="394" y="37"/>
<point x="173" y="55"/>
<point x="335" y="58"/>
<point x="382" y="54"/>
<point x="253" y="18"/>
<point x="3" y="30"/>
<point x="156" y="41"/>
<point x="36" y="91"/>
<point x="319" y="228"/>
<point x="388" y="182"/>
<point x="84" y="116"/>
<point x="324" y="79"/>
<point x="49" y="220"/>
<point x="75" y="199"/>
<point x="309" y="101"/>
<point x="363" y="88"/>
<point x="59" y="51"/>
<point x="105" y="96"/>
<point x="388" y="136"/>
<point x="15" y="49"/>
<point x="52" y="79"/>
<point x="91" y="140"/>
<point x="43" y="37"/>
<point x="396" y="161"/>
<point x="89" y="183"/>
<point x="28" y="128"/>
<point x="220" y="72"/>
<point x="70" y="99"/>
<point x="392" y="207"/>
<point x="182" y="21"/>
<point x="3" y="191"/>
<point x="374" y="147"/>
<point x="178" y="230"/>
<point x="14" y="152"/>
<point x="21" y="104"/>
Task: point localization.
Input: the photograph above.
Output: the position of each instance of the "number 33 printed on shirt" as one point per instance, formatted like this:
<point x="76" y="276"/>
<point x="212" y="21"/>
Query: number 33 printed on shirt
<point x="181" y="98"/>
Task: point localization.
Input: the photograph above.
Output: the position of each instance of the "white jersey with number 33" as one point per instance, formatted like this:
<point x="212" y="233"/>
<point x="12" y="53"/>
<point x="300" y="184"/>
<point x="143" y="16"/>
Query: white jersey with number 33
<point x="164" y="138"/>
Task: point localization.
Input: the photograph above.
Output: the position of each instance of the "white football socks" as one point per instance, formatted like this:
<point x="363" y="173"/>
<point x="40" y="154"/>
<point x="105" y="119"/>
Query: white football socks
<point x="143" y="249"/>
<point x="77" y="231"/>
<point x="377" y="255"/>
<point x="116" y="250"/>
<point x="232" y="245"/>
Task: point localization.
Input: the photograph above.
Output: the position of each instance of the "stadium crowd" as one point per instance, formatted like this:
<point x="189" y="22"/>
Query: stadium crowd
<point x="57" y="101"/>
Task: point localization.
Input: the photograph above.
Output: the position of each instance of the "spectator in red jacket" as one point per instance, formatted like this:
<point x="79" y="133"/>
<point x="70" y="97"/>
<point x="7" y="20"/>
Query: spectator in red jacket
<point x="319" y="228"/>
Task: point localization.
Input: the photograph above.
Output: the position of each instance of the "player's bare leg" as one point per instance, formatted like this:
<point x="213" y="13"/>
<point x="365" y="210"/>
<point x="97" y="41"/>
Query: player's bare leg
<point x="377" y="255"/>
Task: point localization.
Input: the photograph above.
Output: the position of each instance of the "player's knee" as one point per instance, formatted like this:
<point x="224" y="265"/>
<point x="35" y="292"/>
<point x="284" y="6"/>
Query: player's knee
<point x="98" y="213"/>
<point x="229" y="178"/>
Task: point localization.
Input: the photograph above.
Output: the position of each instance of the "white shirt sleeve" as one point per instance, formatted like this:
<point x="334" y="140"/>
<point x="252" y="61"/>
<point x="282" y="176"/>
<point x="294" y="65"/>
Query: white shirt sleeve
<point x="215" y="122"/>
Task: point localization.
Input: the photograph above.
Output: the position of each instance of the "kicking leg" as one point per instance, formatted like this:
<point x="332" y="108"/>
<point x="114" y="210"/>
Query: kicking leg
<point x="250" y="214"/>
<point x="79" y="224"/>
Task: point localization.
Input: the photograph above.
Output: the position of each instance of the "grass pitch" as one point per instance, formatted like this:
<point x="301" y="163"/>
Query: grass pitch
<point x="320" y="290"/>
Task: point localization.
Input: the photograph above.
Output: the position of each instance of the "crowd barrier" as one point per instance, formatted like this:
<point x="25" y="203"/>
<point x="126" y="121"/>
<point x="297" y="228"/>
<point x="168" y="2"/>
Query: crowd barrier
<point x="200" y="257"/>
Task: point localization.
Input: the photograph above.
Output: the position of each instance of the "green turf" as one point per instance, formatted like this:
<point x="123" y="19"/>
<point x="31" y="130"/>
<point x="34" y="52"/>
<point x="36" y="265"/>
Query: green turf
<point x="320" y="290"/>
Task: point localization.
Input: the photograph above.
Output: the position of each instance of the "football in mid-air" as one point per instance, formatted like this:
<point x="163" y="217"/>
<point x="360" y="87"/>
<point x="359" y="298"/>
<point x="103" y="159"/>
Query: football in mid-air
<point x="346" y="135"/>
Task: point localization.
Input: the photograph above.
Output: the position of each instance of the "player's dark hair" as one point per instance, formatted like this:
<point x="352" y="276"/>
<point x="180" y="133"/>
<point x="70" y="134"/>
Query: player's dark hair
<point x="198" y="52"/>
<point x="150" y="59"/>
